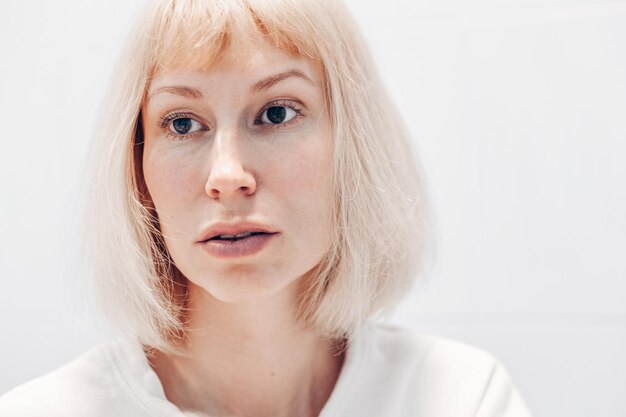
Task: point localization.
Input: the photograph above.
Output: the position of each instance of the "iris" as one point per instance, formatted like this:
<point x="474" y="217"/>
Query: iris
<point x="276" y="114"/>
<point x="182" y="125"/>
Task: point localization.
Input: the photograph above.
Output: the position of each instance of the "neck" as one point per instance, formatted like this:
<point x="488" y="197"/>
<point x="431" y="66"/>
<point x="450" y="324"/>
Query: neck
<point x="249" y="359"/>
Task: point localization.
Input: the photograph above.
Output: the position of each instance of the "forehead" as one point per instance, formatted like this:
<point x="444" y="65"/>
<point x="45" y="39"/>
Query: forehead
<point x="259" y="63"/>
<point x="246" y="38"/>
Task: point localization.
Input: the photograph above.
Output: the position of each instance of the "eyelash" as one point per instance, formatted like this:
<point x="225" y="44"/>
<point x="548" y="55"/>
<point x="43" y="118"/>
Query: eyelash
<point x="279" y="103"/>
<point x="169" y="118"/>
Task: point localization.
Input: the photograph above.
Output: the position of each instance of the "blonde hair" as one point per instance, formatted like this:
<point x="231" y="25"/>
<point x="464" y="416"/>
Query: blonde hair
<point x="382" y="234"/>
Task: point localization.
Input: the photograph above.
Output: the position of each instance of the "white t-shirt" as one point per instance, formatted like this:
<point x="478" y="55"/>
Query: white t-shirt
<point x="388" y="371"/>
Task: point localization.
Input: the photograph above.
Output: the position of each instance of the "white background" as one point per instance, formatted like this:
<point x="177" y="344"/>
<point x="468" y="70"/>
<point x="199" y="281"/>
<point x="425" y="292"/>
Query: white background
<point x="519" y="113"/>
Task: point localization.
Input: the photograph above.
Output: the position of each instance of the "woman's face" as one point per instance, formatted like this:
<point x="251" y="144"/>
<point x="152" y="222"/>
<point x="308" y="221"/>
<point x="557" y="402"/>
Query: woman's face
<point x="236" y="149"/>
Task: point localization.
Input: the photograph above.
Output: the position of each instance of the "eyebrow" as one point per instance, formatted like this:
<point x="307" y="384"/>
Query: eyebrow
<point x="264" y="84"/>
<point x="180" y="90"/>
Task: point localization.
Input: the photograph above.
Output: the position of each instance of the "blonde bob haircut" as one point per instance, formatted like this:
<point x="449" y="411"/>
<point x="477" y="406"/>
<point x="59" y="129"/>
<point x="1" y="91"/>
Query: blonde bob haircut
<point x="382" y="236"/>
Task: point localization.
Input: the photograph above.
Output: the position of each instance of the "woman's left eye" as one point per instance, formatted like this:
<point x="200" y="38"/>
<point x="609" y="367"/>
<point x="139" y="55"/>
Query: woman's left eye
<point x="278" y="114"/>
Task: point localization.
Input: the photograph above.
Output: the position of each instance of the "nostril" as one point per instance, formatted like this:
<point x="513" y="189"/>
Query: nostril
<point x="243" y="184"/>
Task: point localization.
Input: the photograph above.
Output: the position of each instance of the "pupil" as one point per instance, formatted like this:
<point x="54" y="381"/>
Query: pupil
<point x="276" y="114"/>
<point x="182" y="125"/>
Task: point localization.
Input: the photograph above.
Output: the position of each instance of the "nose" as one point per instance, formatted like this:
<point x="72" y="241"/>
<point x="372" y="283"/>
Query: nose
<point x="228" y="176"/>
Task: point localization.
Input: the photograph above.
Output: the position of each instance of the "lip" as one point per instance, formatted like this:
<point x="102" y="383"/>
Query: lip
<point x="217" y="229"/>
<point x="243" y="248"/>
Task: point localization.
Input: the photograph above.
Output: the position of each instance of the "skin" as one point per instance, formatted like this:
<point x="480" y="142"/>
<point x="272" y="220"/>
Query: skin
<point x="248" y="356"/>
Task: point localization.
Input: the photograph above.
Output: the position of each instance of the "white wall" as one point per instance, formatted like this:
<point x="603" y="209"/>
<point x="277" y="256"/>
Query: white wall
<point x="518" y="109"/>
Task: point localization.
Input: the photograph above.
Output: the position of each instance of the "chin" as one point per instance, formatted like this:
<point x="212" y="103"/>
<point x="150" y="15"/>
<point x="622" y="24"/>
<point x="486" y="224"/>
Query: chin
<point x="239" y="285"/>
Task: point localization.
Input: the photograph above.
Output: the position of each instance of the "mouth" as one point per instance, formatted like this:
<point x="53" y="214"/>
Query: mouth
<point x="240" y="245"/>
<point x="234" y="232"/>
<point x="237" y="237"/>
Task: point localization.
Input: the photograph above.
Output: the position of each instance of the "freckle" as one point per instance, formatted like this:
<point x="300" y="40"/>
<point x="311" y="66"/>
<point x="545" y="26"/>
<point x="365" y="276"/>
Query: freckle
<point x="273" y="373"/>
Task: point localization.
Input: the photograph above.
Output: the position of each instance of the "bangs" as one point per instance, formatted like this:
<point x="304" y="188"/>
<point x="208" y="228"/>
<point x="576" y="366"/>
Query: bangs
<point x="199" y="34"/>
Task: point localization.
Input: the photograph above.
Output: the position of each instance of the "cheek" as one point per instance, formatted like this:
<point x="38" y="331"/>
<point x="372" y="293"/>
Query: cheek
<point x="304" y="184"/>
<point x="304" y="170"/>
<point x="306" y="162"/>
<point x="171" y="180"/>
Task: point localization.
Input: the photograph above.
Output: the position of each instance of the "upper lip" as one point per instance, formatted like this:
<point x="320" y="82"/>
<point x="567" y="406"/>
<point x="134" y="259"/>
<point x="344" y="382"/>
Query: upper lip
<point x="217" y="229"/>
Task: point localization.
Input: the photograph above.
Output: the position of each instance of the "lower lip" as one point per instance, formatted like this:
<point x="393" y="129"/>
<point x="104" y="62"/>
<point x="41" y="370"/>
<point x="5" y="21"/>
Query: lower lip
<point x="236" y="248"/>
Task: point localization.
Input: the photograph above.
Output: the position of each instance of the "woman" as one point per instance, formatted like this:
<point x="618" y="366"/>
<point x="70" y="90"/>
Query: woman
<point x="254" y="205"/>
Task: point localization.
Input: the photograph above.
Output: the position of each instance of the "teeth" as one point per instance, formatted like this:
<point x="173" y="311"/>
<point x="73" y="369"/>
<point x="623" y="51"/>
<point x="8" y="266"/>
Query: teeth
<point x="245" y="234"/>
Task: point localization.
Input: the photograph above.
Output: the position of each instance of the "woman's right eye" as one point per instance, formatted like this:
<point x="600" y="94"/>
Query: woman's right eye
<point x="185" y="126"/>
<point x="181" y="125"/>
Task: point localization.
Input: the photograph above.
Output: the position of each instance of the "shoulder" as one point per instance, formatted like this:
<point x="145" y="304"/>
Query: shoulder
<point x="429" y="370"/>
<point x="425" y="357"/>
<point x="410" y="345"/>
<point x="85" y="386"/>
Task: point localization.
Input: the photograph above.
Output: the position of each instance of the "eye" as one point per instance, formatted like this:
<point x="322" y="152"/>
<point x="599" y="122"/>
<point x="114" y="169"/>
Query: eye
<point x="278" y="114"/>
<point x="181" y="125"/>
<point x="184" y="126"/>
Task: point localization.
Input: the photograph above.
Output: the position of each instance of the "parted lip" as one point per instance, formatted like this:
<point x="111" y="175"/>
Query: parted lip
<point x="217" y="229"/>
